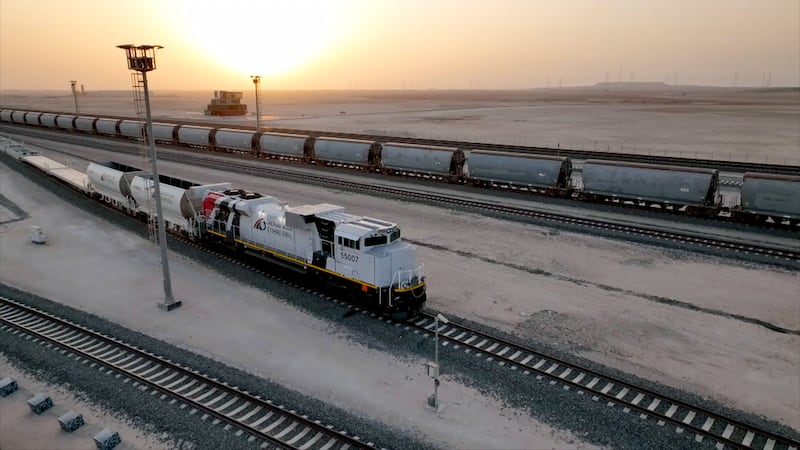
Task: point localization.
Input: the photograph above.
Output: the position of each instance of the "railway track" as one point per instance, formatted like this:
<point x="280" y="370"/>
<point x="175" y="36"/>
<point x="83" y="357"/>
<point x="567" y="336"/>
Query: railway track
<point x="736" y="183"/>
<point x="783" y="254"/>
<point x="705" y="424"/>
<point x="578" y="154"/>
<point x="779" y="253"/>
<point x="209" y="398"/>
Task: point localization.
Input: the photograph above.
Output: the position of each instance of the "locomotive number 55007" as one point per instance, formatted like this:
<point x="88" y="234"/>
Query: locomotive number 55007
<point x="347" y="257"/>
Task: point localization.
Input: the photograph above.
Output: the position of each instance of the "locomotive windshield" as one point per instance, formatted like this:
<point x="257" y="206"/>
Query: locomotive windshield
<point x="382" y="239"/>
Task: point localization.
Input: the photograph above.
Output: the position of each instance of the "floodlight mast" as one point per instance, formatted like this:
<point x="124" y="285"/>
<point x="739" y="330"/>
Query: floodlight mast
<point x="75" y="96"/>
<point x="257" y="83"/>
<point x="142" y="59"/>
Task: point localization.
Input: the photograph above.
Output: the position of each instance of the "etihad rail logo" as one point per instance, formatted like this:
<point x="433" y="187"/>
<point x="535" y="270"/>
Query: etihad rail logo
<point x="260" y="224"/>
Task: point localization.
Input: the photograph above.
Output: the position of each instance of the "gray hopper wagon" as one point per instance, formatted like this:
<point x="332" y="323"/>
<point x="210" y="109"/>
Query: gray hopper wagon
<point x="770" y="196"/>
<point x="651" y="184"/>
<point x="538" y="172"/>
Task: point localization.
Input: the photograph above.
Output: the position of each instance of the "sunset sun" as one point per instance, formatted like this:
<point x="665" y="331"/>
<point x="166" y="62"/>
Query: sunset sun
<point x="258" y="37"/>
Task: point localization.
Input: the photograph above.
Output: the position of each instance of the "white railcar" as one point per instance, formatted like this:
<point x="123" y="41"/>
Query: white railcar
<point x="112" y="181"/>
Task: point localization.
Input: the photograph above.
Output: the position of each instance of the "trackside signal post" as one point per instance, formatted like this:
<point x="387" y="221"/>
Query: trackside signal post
<point x="142" y="59"/>
<point x="433" y="367"/>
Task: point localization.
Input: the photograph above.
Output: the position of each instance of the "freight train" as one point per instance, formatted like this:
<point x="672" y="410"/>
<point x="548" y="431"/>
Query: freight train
<point x="363" y="258"/>
<point x="764" y="197"/>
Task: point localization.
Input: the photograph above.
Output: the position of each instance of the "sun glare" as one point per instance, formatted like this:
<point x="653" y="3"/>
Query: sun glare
<point x="266" y="37"/>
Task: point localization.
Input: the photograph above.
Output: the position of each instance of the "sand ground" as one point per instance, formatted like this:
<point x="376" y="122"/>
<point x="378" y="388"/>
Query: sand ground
<point x="593" y="296"/>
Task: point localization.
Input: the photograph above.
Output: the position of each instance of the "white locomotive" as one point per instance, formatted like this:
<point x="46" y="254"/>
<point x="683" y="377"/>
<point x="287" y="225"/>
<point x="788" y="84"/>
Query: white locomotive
<point x="363" y="255"/>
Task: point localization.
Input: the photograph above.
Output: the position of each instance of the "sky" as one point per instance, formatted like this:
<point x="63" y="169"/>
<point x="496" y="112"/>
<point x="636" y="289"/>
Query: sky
<point x="400" y="44"/>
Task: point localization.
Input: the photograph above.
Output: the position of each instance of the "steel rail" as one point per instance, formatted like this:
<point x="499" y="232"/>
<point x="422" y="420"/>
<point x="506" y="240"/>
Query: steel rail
<point x="180" y="382"/>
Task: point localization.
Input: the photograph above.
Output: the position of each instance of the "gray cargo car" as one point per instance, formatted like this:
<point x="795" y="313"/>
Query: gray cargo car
<point x="520" y="169"/>
<point x="677" y="186"/>
<point x="766" y="195"/>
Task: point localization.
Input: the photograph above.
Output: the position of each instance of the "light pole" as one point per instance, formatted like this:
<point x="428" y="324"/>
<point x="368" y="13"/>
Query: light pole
<point x="142" y="59"/>
<point x="433" y="368"/>
<point x="75" y="96"/>
<point x="257" y="84"/>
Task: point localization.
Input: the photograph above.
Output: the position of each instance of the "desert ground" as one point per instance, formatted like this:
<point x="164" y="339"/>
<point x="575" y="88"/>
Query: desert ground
<point x="742" y="124"/>
<point x="581" y="293"/>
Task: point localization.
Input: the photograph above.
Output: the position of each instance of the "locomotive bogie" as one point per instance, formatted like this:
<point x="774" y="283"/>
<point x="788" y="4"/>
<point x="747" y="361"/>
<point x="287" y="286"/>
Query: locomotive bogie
<point x="423" y="160"/>
<point x="517" y="169"/>
<point x="651" y="183"/>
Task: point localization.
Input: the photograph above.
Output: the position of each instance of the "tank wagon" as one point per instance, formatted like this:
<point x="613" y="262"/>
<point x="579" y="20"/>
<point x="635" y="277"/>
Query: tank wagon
<point x="422" y="160"/>
<point x="181" y="200"/>
<point x="112" y="182"/>
<point x="648" y="184"/>
<point x="764" y="196"/>
<point x="549" y="174"/>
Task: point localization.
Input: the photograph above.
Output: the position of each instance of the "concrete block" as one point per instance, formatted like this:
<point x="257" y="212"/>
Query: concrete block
<point x="106" y="439"/>
<point x="7" y="387"/>
<point x="70" y="421"/>
<point x="40" y="403"/>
